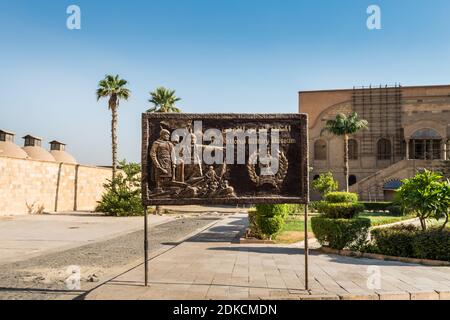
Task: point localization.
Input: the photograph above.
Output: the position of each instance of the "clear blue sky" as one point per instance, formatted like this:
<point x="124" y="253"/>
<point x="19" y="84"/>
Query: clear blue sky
<point x="220" y="56"/>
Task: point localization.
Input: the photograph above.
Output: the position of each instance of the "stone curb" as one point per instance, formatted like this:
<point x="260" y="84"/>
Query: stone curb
<point x="375" y="256"/>
<point x="382" y="296"/>
<point x="255" y="241"/>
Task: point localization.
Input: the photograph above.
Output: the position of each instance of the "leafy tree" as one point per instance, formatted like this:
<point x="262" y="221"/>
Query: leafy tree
<point x="113" y="88"/>
<point x="163" y="100"/>
<point x="123" y="193"/>
<point x="344" y="126"/>
<point x="427" y="194"/>
<point x="325" y="184"/>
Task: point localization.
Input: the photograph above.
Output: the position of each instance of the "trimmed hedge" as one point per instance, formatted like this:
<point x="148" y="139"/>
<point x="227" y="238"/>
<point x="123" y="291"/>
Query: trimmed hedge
<point x="296" y="208"/>
<point x="271" y="210"/>
<point x="341" y="233"/>
<point x="396" y="210"/>
<point x="433" y="245"/>
<point x="270" y="226"/>
<point x="396" y="241"/>
<point x="410" y="242"/>
<point x="314" y="206"/>
<point x="270" y="218"/>
<point x="340" y="197"/>
<point x="340" y="210"/>
<point x="377" y="206"/>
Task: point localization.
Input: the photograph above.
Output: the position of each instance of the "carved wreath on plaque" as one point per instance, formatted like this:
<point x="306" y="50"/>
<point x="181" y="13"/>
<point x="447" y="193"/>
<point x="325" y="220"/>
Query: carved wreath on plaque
<point x="274" y="179"/>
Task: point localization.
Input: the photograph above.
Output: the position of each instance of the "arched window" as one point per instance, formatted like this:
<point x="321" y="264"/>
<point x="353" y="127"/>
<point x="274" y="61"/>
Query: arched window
<point x="352" y="180"/>
<point x="320" y="150"/>
<point x="426" y="134"/>
<point x="353" y="149"/>
<point x="384" y="149"/>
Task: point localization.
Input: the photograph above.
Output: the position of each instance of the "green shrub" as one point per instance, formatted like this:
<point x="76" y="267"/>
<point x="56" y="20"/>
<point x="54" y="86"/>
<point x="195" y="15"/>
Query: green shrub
<point x="315" y="205"/>
<point x="410" y="242"/>
<point x="271" y="210"/>
<point x="396" y="210"/>
<point x="340" y="210"/>
<point x="123" y="194"/>
<point x="325" y="183"/>
<point x="270" y="226"/>
<point x="377" y="206"/>
<point x="296" y="208"/>
<point x="341" y="233"/>
<point x="432" y="244"/>
<point x="341" y="197"/>
<point x="427" y="194"/>
<point x="270" y="218"/>
<point x="253" y="224"/>
<point x="396" y="241"/>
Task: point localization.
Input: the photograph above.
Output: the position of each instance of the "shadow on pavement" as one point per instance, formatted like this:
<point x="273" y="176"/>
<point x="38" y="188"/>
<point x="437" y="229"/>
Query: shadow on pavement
<point x="266" y="250"/>
<point x="223" y="233"/>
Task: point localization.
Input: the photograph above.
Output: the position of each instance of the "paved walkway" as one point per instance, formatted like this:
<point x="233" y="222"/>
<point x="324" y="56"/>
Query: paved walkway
<point x="212" y="265"/>
<point x="23" y="237"/>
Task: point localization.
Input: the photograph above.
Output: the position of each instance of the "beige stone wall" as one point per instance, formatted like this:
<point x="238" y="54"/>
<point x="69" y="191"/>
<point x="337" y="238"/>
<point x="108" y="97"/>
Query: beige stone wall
<point x="55" y="186"/>
<point x="421" y="107"/>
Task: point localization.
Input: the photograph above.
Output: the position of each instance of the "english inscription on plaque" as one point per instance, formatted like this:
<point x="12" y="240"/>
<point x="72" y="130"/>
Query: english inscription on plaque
<point x="224" y="158"/>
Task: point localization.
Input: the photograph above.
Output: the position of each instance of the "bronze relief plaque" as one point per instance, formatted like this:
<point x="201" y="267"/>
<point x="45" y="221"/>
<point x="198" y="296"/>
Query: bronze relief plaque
<point x="224" y="159"/>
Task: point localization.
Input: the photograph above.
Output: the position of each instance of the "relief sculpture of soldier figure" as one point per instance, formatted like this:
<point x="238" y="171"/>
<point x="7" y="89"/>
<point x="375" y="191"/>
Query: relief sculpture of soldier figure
<point x="161" y="155"/>
<point x="169" y="172"/>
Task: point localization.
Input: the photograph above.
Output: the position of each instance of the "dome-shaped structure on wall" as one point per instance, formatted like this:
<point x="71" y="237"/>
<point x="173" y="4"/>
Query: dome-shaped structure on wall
<point x="58" y="151"/>
<point x="34" y="150"/>
<point x="8" y="148"/>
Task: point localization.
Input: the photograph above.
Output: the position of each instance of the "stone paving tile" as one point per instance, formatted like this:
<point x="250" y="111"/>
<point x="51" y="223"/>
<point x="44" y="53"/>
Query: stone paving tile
<point x="278" y="293"/>
<point x="397" y="295"/>
<point x="218" y="292"/>
<point x="444" y="295"/>
<point x="423" y="295"/>
<point x="222" y="270"/>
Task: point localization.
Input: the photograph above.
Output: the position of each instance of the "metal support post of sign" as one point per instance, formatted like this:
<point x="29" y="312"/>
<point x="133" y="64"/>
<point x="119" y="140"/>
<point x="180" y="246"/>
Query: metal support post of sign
<point x="146" y="245"/>
<point x="306" y="249"/>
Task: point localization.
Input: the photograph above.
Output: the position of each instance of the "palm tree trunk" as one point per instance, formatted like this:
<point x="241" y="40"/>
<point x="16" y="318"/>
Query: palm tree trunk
<point x="114" y="138"/>
<point x="346" y="167"/>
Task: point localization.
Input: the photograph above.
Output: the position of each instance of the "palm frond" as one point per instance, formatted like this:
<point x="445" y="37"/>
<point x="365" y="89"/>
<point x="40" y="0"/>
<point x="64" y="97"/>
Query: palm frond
<point x="345" y="125"/>
<point x="163" y="100"/>
<point x="113" y="85"/>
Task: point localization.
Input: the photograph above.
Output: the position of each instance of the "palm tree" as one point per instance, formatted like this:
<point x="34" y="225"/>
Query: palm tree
<point x="163" y="100"/>
<point x="114" y="88"/>
<point x="345" y="126"/>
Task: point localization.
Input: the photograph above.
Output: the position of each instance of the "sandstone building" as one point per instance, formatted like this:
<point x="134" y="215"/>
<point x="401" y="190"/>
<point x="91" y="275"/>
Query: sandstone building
<point x="408" y="130"/>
